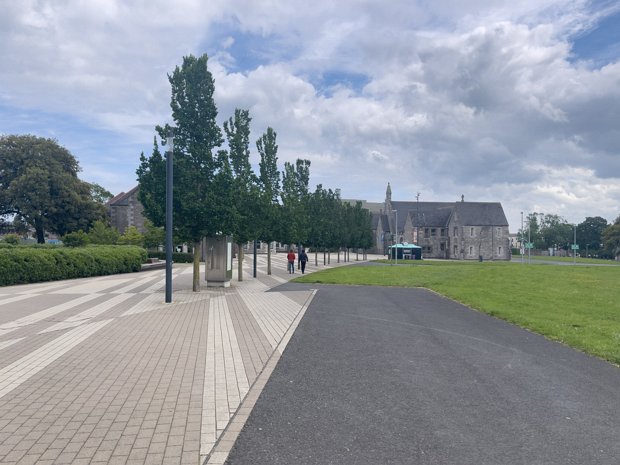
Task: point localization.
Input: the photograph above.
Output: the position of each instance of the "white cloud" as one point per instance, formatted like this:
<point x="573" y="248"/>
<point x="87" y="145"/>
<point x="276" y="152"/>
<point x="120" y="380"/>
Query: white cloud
<point x="477" y="98"/>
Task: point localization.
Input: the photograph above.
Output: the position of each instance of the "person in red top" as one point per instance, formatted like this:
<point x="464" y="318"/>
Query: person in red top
<point x="291" y="261"/>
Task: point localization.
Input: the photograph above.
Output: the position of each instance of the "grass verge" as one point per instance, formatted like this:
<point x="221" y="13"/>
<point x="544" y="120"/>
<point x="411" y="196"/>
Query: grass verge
<point x="576" y="305"/>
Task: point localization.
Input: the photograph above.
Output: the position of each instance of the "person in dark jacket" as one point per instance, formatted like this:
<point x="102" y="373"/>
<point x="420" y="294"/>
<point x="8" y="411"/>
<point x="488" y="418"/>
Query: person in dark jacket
<point x="303" y="258"/>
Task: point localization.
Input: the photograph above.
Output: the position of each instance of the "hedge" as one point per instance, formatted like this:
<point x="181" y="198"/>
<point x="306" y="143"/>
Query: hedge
<point x="21" y="265"/>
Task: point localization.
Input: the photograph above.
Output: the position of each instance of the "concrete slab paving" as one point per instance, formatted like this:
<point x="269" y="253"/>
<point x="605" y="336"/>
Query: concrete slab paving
<point x="101" y="370"/>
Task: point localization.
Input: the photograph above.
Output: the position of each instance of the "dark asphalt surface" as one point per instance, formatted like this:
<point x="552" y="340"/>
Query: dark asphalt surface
<point x="404" y="376"/>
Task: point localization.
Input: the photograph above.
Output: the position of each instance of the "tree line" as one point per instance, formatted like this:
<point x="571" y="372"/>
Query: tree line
<point x="594" y="236"/>
<point x="217" y="192"/>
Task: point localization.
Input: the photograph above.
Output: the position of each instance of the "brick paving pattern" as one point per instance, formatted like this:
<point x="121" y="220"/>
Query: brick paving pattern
<point x="102" y="371"/>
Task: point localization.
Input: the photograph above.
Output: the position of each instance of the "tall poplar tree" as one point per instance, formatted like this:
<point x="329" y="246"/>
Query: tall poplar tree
<point x="245" y="184"/>
<point x="269" y="183"/>
<point x="196" y="167"/>
<point x="295" y="193"/>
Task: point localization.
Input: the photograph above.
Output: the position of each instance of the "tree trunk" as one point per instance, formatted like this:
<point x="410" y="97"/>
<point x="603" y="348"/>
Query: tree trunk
<point x="316" y="257"/>
<point x="240" y="261"/>
<point x="40" y="233"/>
<point x="196" y="275"/>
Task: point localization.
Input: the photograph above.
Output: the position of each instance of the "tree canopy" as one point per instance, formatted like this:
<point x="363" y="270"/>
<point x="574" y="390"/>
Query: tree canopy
<point x="197" y="203"/>
<point x="39" y="186"/>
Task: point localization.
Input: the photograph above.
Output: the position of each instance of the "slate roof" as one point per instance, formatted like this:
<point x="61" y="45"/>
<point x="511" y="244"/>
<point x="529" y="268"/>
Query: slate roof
<point x="438" y="214"/>
<point x="480" y="214"/>
<point x="122" y="199"/>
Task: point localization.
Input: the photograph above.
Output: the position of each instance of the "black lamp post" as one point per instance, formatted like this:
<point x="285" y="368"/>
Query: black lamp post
<point x="169" y="151"/>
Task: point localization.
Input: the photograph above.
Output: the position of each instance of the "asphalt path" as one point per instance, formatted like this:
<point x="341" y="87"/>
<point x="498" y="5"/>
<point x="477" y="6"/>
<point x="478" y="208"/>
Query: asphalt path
<point x="404" y="376"/>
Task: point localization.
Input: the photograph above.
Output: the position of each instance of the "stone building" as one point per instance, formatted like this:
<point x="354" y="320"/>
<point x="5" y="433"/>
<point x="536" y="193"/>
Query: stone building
<point x="452" y="230"/>
<point x="126" y="210"/>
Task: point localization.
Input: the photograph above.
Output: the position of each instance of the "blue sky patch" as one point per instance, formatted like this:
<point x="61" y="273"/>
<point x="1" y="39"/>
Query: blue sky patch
<point x="600" y="45"/>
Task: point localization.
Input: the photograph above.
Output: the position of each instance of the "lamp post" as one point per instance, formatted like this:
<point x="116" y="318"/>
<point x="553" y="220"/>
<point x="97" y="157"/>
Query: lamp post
<point x="396" y="237"/>
<point x="575" y="244"/>
<point x="521" y="241"/>
<point x="169" y="152"/>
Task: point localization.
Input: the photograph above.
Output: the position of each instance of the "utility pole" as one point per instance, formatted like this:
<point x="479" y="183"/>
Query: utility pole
<point x="417" y="217"/>
<point x="169" y="152"/>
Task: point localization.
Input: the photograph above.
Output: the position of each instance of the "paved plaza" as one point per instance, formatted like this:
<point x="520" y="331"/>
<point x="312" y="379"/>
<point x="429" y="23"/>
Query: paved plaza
<point x="101" y="370"/>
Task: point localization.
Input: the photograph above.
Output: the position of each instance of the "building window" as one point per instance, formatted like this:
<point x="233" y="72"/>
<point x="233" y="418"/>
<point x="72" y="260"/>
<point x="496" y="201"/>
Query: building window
<point x="456" y="251"/>
<point x="499" y="231"/>
<point x="426" y="232"/>
<point x="443" y="232"/>
<point x="442" y="246"/>
<point x="471" y="232"/>
<point x="456" y="231"/>
<point x="499" y="251"/>
<point x="433" y="232"/>
<point x="471" y="250"/>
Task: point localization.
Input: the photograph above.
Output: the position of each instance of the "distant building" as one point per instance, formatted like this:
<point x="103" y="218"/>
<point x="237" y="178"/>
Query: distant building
<point x="453" y="230"/>
<point x="126" y="210"/>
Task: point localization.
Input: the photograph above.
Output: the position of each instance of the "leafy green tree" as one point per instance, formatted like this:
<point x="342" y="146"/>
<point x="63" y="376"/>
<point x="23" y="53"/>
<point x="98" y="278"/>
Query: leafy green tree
<point x="245" y="191"/>
<point x="611" y="239"/>
<point x="99" y="194"/>
<point x="590" y="232"/>
<point x="295" y="179"/>
<point x="131" y="236"/>
<point x="197" y="202"/>
<point x="103" y="233"/>
<point x="40" y="186"/>
<point x="154" y="236"/>
<point x="269" y="185"/>
<point x="152" y="179"/>
<point x="361" y="224"/>
<point x="556" y="232"/>
<point x="531" y="231"/>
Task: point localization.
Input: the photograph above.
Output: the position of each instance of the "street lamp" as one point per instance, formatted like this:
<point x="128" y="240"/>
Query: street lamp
<point x="169" y="152"/>
<point x="521" y="241"/>
<point x="396" y="240"/>
<point x="574" y="243"/>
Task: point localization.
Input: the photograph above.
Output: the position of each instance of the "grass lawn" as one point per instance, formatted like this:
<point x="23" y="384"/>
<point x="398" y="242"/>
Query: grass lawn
<point x="595" y="261"/>
<point x="577" y="305"/>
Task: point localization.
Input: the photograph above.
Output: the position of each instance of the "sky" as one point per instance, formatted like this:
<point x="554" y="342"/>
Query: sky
<point x="495" y="100"/>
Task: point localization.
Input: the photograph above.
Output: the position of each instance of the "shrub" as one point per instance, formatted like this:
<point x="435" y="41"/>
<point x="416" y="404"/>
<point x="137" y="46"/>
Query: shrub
<point x="21" y="265"/>
<point x="12" y="239"/>
<point x="75" y="239"/>
<point x="131" y="236"/>
<point x="101" y="233"/>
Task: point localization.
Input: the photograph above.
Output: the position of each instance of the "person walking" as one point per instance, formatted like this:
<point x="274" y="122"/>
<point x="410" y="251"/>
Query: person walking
<point x="291" y="261"/>
<point x="303" y="258"/>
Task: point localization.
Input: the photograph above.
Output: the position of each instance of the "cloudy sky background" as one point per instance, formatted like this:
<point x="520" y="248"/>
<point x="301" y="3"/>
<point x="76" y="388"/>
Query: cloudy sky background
<point x="496" y="100"/>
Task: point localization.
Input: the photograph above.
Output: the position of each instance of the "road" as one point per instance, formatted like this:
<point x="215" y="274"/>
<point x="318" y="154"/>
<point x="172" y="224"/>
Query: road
<point x="405" y="376"/>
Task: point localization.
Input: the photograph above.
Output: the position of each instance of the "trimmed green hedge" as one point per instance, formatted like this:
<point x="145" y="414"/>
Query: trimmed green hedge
<point x="21" y="265"/>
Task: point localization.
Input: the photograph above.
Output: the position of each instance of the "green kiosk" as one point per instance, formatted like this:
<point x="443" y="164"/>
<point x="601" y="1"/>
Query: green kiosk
<point x="405" y="251"/>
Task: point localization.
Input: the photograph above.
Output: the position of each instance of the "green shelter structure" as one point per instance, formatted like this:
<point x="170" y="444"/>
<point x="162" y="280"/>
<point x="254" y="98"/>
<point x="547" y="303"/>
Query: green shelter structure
<point x="405" y="251"/>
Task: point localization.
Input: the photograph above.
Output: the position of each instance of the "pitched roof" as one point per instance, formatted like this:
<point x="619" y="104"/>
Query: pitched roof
<point x="438" y="214"/>
<point x="480" y="213"/>
<point x="423" y="213"/>
<point x="122" y="198"/>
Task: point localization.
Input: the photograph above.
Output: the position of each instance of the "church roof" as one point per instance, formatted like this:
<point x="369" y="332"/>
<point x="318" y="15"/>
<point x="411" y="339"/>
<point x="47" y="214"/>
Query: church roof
<point x="438" y="214"/>
<point x="480" y="213"/>
<point x="122" y="198"/>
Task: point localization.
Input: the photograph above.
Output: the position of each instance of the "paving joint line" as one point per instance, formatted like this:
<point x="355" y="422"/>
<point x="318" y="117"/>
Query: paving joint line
<point x="224" y="443"/>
